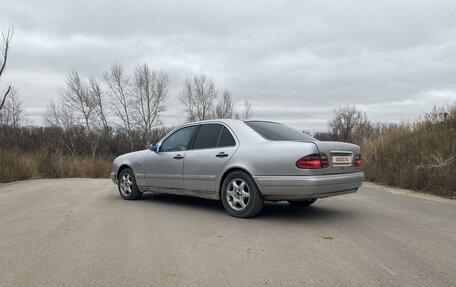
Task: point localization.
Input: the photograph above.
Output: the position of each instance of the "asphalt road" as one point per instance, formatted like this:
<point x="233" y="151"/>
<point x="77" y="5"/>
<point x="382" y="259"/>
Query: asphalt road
<point x="79" y="232"/>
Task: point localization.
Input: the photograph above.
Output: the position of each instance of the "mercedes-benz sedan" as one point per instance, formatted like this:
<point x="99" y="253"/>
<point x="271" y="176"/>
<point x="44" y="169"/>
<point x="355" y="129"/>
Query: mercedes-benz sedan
<point x="241" y="163"/>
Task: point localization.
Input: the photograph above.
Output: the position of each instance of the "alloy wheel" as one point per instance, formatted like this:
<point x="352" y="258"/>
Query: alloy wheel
<point x="238" y="194"/>
<point x="126" y="184"/>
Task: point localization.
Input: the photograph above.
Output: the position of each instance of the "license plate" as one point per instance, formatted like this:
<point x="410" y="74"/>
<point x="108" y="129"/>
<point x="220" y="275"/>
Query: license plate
<point x="342" y="159"/>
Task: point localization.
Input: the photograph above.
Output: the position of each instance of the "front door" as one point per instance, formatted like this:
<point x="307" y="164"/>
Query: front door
<point x="164" y="168"/>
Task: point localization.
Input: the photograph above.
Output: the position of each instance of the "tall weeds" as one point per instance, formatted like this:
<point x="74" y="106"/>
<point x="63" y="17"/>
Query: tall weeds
<point x="419" y="156"/>
<point x="17" y="165"/>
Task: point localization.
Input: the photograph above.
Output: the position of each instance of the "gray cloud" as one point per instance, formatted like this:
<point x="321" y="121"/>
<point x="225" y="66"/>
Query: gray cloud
<point x="295" y="61"/>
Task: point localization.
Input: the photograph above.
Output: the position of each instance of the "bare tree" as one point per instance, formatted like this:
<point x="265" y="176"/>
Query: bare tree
<point x="149" y="89"/>
<point x="99" y="102"/>
<point x="13" y="110"/>
<point x="121" y="99"/>
<point x="246" y="113"/>
<point x="77" y="98"/>
<point x="6" y="37"/>
<point x="198" y="98"/>
<point x="346" y="122"/>
<point x="224" y="108"/>
<point x="58" y="115"/>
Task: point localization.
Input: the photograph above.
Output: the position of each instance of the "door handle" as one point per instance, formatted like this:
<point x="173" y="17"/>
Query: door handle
<point x="221" y="154"/>
<point x="178" y="157"/>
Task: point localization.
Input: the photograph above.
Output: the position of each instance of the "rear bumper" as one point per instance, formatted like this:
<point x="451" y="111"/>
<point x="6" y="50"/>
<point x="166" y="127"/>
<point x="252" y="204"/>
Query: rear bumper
<point x="114" y="177"/>
<point x="305" y="187"/>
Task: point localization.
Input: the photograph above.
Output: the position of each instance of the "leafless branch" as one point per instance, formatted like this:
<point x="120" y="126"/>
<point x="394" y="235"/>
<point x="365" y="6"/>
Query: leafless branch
<point x="58" y="115"/>
<point x="149" y="90"/>
<point x="246" y="113"/>
<point x="76" y="97"/>
<point x="99" y="102"/>
<point x="224" y="108"/>
<point x="120" y="96"/>
<point x="6" y="37"/>
<point x="13" y="110"/>
<point x="4" y="97"/>
<point x="198" y="98"/>
<point x="347" y="122"/>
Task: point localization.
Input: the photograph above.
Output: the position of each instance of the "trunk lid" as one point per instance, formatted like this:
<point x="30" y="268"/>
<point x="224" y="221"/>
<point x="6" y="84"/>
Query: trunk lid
<point x="340" y="155"/>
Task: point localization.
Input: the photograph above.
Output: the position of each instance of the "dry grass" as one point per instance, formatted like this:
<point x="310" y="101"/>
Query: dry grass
<point x="16" y="165"/>
<point x="419" y="156"/>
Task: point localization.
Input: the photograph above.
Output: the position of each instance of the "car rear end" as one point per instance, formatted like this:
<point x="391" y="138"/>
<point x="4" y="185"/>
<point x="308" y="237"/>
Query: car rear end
<point x="306" y="168"/>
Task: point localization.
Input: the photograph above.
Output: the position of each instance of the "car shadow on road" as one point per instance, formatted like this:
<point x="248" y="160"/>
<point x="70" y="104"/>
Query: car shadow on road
<point x="271" y="210"/>
<point x="187" y="201"/>
<point x="284" y="211"/>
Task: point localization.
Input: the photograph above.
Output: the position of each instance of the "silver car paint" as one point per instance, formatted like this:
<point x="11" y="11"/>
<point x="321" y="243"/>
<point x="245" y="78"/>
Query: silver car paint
<point x="162" y="170"/>
<point x="333" y="148"/>
<point x="270" y="163"/>
<point x="201" y="167"/>
<point x="133" y="160"/>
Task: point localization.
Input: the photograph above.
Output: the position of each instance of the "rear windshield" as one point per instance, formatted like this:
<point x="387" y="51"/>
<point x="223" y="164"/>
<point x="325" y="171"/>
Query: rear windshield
<point x="278" y="132"/>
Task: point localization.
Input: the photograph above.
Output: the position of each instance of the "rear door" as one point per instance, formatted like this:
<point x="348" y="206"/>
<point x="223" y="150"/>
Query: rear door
<point x="213" y="146"/>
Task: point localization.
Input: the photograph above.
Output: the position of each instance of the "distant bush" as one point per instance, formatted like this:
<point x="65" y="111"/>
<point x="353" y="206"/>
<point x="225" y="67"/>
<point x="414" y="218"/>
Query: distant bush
<point x="419" y="156"/>
<point x="17" y="165"/>
<point x="34" y="152"/>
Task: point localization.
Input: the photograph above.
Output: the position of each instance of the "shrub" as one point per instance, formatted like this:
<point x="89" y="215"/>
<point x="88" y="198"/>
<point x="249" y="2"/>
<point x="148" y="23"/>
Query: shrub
<point x="17" y="165"/>
<point x="419" y="156"/>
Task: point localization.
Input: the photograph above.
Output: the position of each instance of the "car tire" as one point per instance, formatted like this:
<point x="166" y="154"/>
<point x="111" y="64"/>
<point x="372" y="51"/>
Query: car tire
<point x="127" y="185"/>
<point x="240" y="196"/>
<point x="302" y="203"/>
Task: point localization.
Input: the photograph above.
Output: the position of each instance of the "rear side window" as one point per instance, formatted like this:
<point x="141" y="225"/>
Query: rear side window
<point x="226" y="139"/>
<point x="278" y="132"/>
<point x="208" y="136"/>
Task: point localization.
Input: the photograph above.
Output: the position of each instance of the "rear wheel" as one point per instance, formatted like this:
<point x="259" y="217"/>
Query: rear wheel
<point x="127" y="185"/>
<point x="240" y="195"/>
<point x="306" y="202"/>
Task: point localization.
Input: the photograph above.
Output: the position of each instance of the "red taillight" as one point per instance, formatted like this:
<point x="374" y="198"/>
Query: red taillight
<point x="324" y="160"/>
<point x="358" y="161"/>
<point x="312" y="161"/>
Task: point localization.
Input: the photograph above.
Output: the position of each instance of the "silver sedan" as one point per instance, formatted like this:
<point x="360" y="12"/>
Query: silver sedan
<point x="241" y="163"/>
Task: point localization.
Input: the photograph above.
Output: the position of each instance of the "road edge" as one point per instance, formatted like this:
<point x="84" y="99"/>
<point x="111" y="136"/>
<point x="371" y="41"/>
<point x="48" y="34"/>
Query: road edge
<point x="409" y="192"/>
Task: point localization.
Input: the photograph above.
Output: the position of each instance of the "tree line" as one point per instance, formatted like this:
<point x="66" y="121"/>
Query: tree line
<point x="350" y="124"/>
<point x="94" y="119"/>
<point x="89" y="113"/>
<point x="418" y="155"/>
<point x="118" y="112"/>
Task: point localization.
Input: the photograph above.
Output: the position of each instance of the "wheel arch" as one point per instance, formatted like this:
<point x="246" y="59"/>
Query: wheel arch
<point x="230" y="170"/>
<point x="122" y="167"/>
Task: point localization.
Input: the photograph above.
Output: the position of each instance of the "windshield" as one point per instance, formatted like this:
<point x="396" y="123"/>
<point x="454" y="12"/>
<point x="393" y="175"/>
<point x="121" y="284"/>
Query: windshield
<point x="278" y="132"/>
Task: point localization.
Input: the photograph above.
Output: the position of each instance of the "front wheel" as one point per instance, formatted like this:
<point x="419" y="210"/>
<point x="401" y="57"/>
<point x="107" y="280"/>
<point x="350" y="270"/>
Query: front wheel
<point x="240" y="195"/>
<point x="127" y="185"/>
<point x="303" y="202"/>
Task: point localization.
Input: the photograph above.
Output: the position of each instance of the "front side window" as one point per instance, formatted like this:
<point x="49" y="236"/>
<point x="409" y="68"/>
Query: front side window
<point x="178" y="141"/>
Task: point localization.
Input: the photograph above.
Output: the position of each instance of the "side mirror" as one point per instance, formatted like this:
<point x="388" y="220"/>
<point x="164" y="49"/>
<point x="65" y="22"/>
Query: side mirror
<point x="154" y="147"/>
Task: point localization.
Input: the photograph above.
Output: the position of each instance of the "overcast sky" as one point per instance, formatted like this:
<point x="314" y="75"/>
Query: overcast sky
<point x="295" y="61"/>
